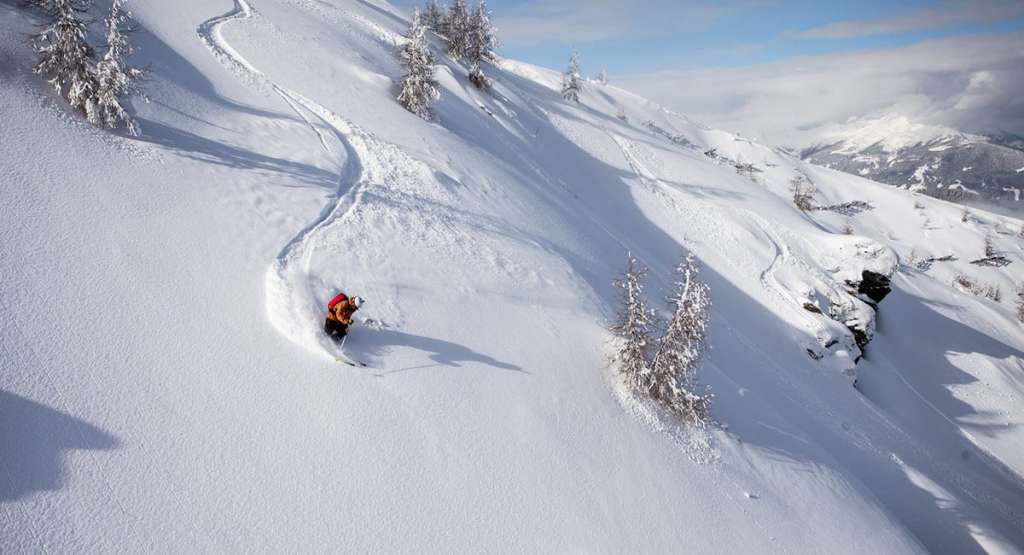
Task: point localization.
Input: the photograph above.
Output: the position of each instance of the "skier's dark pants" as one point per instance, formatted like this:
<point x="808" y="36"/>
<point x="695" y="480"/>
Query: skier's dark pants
<point x="335" y="329"/>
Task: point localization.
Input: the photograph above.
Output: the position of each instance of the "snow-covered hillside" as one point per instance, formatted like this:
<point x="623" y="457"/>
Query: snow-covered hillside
<point x="164" y="385"/>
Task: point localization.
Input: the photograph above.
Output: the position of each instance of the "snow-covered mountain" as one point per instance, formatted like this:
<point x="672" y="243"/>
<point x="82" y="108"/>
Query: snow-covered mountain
<point x="164" y="384"/>
<point x="935" y="160"/>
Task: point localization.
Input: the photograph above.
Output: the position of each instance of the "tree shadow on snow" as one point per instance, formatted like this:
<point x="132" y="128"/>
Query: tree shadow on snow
<point x="208" y="142"/>
<point x="32" y="437"/>
<point x="210" y="151"/>
<point x="931" y="370"/>
<point x="442" y="353"/>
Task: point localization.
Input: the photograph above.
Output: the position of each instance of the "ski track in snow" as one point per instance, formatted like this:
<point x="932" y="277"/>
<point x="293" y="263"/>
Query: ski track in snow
<point x="291" y="302"/>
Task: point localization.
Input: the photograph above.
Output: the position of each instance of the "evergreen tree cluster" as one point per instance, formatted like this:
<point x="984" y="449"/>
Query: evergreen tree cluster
<point x="469" y="33"/>
<point x="95" y="88"/>
<point x="469" y="36"/>
<point x="664" y="370"/>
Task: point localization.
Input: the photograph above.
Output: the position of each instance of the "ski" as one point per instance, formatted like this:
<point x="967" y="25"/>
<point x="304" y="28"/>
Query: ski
<point x="344" y="359"/>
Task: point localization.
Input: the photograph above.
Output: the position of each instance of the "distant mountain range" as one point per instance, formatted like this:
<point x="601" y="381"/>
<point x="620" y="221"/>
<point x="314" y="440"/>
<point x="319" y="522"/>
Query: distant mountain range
<point x="938" y="161"/>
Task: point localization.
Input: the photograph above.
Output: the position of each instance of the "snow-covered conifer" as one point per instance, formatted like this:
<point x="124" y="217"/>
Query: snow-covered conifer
<point x="116" y="79"/>
<point x="67" y="59"/>
<point x="481" y="39"/>
<point x="433" y="16"/>
<point x="803" y="193"/>
<point x="602" y="77"/>
<point x="633" y="326"/>
<point x="681" y="346"/>
<point x="418" y="86"/>
<point x="456" y="29"/>
<point x="572" y="83"/>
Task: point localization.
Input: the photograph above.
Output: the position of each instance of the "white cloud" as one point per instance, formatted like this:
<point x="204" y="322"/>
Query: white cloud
<point x="574" y="22"/>
<point x="970" y="83"/>
<point x="948" y="13"/>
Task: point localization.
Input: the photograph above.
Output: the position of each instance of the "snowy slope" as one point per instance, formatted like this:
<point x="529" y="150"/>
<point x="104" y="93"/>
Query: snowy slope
<point x="165" y="387"/>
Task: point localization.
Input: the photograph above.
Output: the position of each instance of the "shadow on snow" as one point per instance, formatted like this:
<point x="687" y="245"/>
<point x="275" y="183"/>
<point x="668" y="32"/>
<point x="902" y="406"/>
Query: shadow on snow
<point x="32" y="439"/>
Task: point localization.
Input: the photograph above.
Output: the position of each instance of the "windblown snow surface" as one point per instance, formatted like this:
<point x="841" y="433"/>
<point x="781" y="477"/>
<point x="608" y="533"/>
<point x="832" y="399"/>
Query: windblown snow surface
<point x="164" y="385"/>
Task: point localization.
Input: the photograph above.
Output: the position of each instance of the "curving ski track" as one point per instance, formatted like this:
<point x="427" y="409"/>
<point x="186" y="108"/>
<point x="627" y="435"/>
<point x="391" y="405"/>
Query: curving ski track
<point x="291" y="303"/>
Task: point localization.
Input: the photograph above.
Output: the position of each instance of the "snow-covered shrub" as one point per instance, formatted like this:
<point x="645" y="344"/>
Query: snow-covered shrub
<point x="572" y="83"/>
<point x="992" y="257"/>
<point x="67" y="59"/>
<point x="924" y="263"/>
<point x="115" y="78"/>
<point x="850" y="208"/>
<point x="681" y="346"/>
<point x="746" y="168"/>
<point x="988" y="290"/>
<point x="633" y="326"/>
<point x="994" y="261"/>
<point x="1020" y="303"/>
<point x="803" y="193"/>
<point x="419" y="88"/>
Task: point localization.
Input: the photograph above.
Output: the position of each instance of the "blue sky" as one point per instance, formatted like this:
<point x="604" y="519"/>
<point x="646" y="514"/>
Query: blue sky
<point x="650" y="35"/>
<point x="777" y="69"/>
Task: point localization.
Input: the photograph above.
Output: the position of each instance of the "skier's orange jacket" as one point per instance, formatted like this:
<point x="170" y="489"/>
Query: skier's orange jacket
<point x="341" y="310"/>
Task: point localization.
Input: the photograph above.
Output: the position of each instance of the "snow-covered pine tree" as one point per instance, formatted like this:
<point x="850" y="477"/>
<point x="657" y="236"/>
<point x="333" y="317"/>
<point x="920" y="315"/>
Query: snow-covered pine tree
<point x="572" y="83"/>
<point x="602" y="77"/>
<point x="633" y="326"/>
<point x="681" y="346"/>
<point x="456" y="29"/>
<point x="481" y="40"/>
<point x="418" y="86"/>
<point x="433" y="16"/>
<point x="116" y="79"/>
<point x="67" y="59"/>
<point x="484" y="36"/>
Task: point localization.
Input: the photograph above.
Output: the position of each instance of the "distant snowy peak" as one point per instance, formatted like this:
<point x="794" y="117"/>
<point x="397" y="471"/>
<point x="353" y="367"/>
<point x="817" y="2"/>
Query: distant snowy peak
<point x="936" y="160"/>
<point x="889" y="133"/>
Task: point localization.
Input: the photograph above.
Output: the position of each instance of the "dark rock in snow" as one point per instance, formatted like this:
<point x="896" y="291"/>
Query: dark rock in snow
<point x="874" y="286"/>
<point x="812" y="308"/>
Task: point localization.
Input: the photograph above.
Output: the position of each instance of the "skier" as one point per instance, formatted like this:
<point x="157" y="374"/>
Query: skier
<point x="339" y="315"/>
